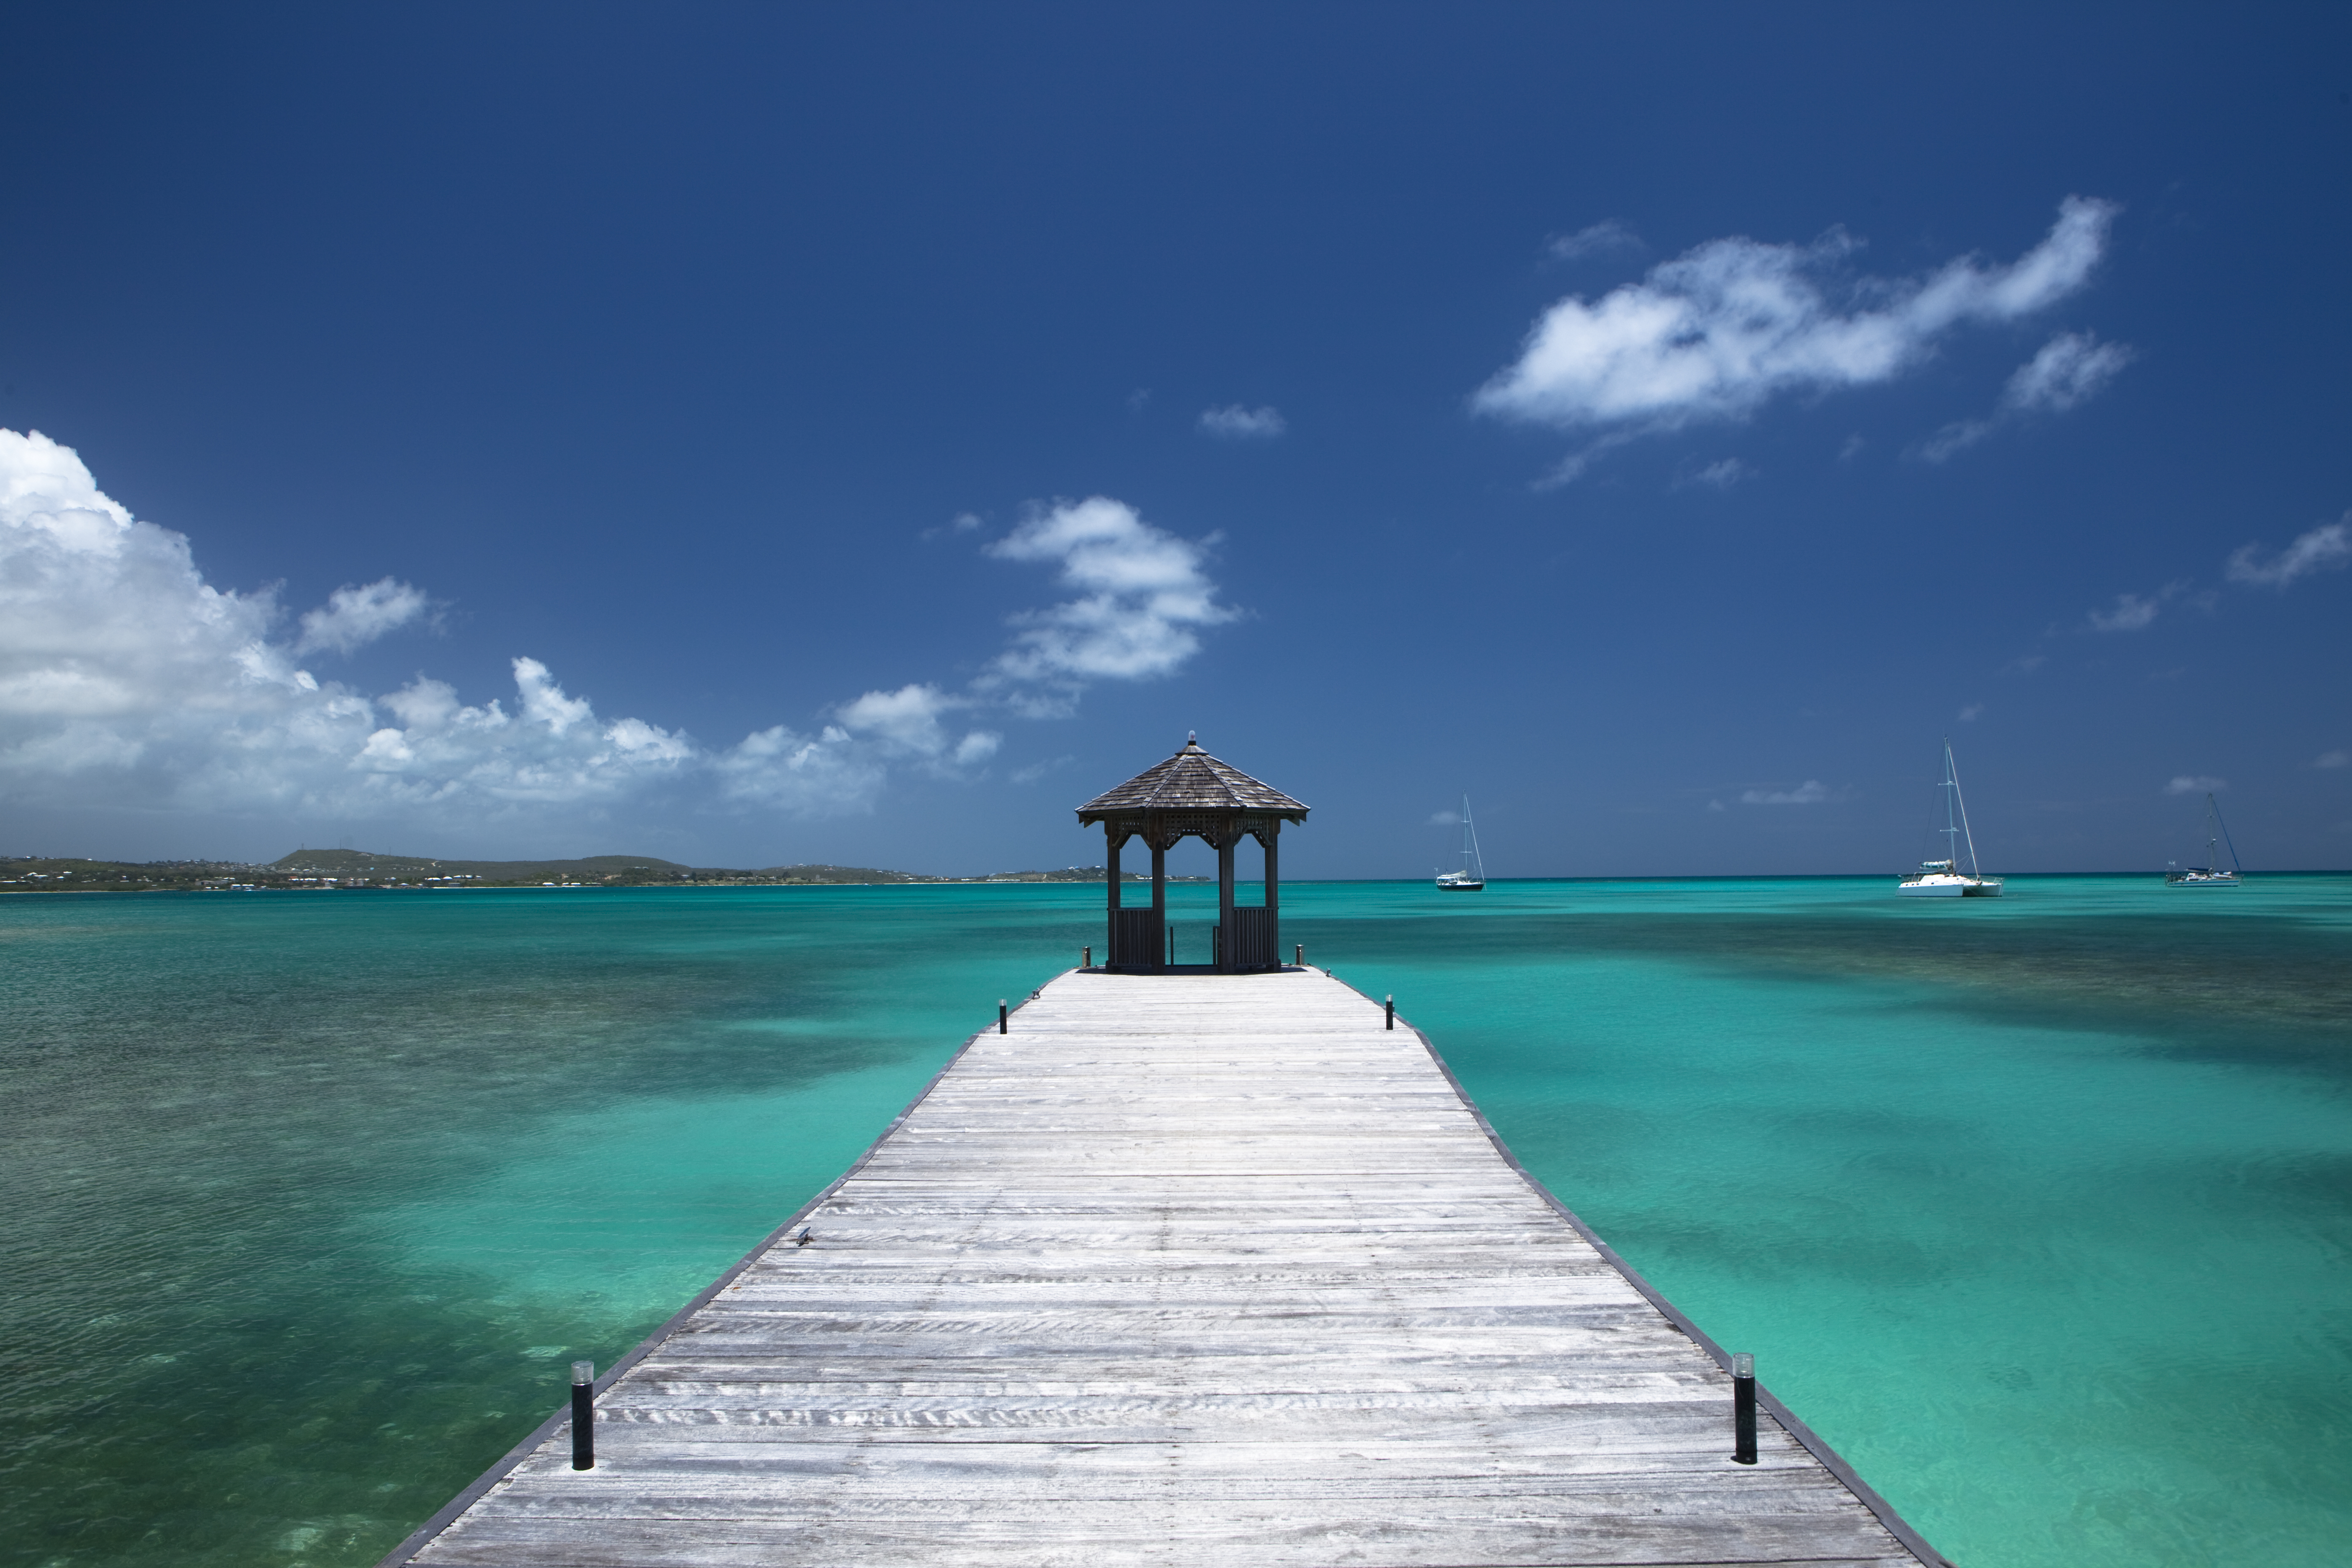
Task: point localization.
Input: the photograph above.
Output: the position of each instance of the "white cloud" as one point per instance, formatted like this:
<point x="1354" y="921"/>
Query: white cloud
<point x="1036" y="770"/>
<point x="1715" y="333"/>
<point x="1956" y="436"/>
<point x="2196" y="783"/>
<point x="1237" y="423"/>
<point x="2134" y="612"/>
<point x="1972" y="712"/>
<point x="2336" y="759"/>
<point x="127" y="680"/>
<point x="1720" y="475"/>
<point x="2130" y="615"/>
<point x="1715" y="805"/>
<point x="1813" y="792"/>
<point x="905" y="721"/>
<point x="1445" y="819"/>
<point x="823" y="775"/>
<point x="1608" y="236"/>
<point x="2070" y="368"/>
<point x="2324" y="549"/>
<point x="353" y="617"/>
<point x="1143" y="597"/>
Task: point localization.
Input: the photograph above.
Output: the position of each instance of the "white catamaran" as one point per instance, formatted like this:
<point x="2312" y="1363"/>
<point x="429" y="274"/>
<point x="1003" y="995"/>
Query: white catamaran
<point x="1944" y="878"/>
<point x="1472" y="877"/>
<point x="2210" y="874"/>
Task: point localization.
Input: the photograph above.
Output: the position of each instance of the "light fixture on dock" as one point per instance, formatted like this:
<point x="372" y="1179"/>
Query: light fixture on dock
<point x="1743" y="1409"/>
<point x="584" y="1414"/>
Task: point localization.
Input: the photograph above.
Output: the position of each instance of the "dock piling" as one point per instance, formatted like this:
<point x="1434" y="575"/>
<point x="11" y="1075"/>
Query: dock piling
<point x="584" y="1414"/>
<point x="1000" y="1017"/>
<point x="1743" y="1409"/>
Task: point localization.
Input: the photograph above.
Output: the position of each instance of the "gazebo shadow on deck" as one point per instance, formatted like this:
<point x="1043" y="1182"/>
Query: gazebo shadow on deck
<point x="1193" y="794"/>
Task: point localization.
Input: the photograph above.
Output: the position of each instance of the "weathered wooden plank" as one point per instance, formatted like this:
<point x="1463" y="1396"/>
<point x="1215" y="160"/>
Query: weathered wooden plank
<point x="1183" y="1269"/>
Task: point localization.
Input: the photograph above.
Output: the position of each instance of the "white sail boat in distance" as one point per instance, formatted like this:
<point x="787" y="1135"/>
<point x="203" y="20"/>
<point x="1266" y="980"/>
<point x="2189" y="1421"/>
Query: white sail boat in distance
<point x="1944" y="878"/>
<point x="2210" y="874"/>
<point x="1472" y="875"/>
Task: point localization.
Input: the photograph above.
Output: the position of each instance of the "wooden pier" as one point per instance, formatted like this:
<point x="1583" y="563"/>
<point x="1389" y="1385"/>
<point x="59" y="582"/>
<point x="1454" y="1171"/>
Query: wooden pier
<point x="1203" y="1270"/>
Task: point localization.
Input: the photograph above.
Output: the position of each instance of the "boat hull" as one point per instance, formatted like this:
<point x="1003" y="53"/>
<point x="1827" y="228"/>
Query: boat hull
<point x="1950" y="887"/>
<point x="2219" y="879"/>
<point x="1445" y="887"/>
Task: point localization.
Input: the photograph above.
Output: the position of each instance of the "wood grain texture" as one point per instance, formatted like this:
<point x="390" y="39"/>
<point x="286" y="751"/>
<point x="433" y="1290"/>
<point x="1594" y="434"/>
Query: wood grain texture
<point x="1184" y="1270"/>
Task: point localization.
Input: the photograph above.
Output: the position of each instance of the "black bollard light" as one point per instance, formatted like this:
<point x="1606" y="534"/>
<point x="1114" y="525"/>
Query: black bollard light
<point x="1000" y="1017"/>
<point x="1392" y="1005"/>
<point x="584" y="1414"/>
<point x="1299" y="955"/>
<point x="1086" y="957"/>
<point x="1743" y="1409"/>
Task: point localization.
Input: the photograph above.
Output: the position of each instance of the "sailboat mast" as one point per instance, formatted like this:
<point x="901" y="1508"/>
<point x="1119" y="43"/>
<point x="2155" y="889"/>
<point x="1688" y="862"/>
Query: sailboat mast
<point x="1951" y="828"/>
<point x="1952" y="770"/>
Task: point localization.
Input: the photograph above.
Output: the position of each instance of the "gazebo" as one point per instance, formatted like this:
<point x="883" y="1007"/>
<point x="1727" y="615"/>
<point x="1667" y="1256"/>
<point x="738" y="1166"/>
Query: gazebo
<point x="1193" y="793"/>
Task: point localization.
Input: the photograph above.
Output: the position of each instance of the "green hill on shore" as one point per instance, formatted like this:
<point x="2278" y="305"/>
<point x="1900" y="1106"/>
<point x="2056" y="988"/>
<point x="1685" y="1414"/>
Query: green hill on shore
<point x="322" y="869"/>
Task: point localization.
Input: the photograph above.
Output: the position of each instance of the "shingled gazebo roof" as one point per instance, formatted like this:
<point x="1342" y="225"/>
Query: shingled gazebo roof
<point x="1193" y="779"/>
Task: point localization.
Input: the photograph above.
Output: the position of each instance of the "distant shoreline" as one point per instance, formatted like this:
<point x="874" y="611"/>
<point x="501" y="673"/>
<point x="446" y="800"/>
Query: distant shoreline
<point x="273" y="884"/>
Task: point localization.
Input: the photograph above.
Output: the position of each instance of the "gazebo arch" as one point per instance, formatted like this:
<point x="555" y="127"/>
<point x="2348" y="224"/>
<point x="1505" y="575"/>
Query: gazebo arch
<point x="1194" y="795"/>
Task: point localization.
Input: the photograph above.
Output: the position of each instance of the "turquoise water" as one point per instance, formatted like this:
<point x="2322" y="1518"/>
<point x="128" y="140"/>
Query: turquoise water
<point x="2038" y="1210"/>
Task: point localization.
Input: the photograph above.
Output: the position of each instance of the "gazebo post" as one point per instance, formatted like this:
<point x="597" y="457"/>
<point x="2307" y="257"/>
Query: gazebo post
<point x="1115" y="838"/>
<point x="1272" y="892"/>
<point x="1225" y="841"/>
<point x="1159" y="900"/>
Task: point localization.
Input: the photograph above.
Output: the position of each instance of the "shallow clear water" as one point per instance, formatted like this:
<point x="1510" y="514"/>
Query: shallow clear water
<point x="2038" y="1209"/>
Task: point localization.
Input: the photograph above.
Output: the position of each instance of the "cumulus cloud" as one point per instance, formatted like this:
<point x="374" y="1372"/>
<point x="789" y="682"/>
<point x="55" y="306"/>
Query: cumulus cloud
<point x="127" y="680"/>
<point x="906" y="724"/>
<point x="1142" y="597"/>
<point x="1972" y="712"/>
<point x="1813" y="792"/>
<point x="2335" y="759"/>
<point x="1237" y="423"/>
<point x="353" y="617"/>
<point x="2324" y="549"/>
<point x="1719" y="331"/>
<point x="2195" y="784"/>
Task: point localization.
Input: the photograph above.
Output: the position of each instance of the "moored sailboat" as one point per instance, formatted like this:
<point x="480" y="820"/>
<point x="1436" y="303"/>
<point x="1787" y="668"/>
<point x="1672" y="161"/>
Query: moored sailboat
<point x="1471" y="877"/>
<point x="1944" y="878"/>
<point x="2210" y="874"/>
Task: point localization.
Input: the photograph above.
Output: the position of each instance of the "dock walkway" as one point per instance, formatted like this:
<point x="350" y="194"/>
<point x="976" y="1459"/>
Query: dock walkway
<point x="1180" y="1271"/>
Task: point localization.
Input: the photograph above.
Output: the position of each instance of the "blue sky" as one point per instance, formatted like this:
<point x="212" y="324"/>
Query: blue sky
<point x="751" y="434"/>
